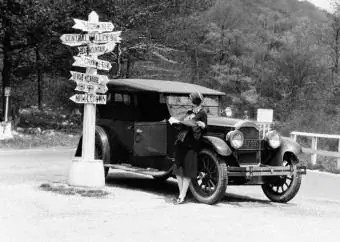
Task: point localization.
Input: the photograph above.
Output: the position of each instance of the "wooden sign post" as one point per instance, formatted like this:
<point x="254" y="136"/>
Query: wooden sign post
<point x="86" y="170"/>
<point x="6" y="127"/>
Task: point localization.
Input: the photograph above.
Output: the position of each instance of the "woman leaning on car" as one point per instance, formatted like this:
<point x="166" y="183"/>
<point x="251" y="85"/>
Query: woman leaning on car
<point x="188" y="140"/>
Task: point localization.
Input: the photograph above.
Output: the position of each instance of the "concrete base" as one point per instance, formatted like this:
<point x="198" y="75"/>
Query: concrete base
<point x="86" y="173"/>
<point x="6" y="130"/>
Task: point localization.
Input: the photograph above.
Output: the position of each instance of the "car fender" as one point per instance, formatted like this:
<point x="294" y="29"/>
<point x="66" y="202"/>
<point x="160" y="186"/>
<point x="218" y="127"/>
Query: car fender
<point x="219" y="145"/>
<point x="101" y="138"/>
<point x="287" y="146"/>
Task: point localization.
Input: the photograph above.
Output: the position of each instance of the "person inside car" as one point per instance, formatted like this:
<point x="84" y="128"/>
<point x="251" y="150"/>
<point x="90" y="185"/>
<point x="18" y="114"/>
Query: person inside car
<point x="187" y="143"/>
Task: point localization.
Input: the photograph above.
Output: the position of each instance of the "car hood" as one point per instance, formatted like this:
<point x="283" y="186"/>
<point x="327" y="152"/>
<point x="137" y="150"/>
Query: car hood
<point x="230" y="122"/>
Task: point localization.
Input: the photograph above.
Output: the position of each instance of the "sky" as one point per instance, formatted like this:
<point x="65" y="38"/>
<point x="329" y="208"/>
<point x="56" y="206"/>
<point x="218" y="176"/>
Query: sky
<point x="324" y="4"/>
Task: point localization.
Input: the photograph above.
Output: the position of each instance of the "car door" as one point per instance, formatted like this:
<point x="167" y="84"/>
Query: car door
<point x="150" y="138"/>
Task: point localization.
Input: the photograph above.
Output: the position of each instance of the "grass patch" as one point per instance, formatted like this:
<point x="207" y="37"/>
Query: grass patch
<point x="69" y="190"/>
<point x="23" y="140"/>
<point x="44" y="128"/>
<point x="323" y="163"/>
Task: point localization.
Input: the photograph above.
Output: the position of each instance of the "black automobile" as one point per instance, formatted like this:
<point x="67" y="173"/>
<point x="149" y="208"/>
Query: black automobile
<point x="133" y="134"/>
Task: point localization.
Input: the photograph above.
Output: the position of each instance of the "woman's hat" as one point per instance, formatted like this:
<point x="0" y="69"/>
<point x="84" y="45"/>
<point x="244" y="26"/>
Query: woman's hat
<point x="196" y="98"/>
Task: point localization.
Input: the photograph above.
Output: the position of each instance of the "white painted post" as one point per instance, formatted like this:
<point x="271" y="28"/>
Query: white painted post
<point x="338" y="160"/>
<point x="86" y="171"/>
<point x="6" y="109"/>
<point x="314" y="147"/>
<point x="293" y="136"/>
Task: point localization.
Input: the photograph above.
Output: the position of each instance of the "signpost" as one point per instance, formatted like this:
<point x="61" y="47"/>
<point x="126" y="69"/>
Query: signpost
<point x="265" y="118"/>
<point x="89" y="98"/>
<point x="86" y="87"/>
<point x="98" y="38"/>
<point x="86" y="170"/>
<point x="86" y="61"/>
<point x="92" y="26"/>
<point x="6" y="127"/>
<point x="97" y="49"/>
<point x="88" y="78"/>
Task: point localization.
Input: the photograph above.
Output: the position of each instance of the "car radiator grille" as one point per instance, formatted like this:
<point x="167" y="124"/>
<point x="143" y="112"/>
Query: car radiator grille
<point x="252" y="139"/>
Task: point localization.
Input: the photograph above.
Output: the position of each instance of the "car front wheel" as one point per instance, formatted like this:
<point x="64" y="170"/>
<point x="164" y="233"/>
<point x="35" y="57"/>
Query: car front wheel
<point x="211" y="181"/>
<point x="283" y="188"/>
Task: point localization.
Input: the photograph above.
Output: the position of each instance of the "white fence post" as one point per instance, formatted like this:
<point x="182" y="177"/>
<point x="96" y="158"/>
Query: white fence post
<point x="314" y="147"/>
<point x="293" y="136"/>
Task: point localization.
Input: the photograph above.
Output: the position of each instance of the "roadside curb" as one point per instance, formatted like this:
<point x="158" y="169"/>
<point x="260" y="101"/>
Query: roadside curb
<point x="38" y="149"/>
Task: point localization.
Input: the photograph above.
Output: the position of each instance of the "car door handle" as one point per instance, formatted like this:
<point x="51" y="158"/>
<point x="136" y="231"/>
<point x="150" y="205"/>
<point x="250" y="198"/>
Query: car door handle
<point x="139" y="131"/>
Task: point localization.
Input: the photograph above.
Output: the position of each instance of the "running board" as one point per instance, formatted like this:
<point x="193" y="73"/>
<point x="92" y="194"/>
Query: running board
<point x="130" y="168"/>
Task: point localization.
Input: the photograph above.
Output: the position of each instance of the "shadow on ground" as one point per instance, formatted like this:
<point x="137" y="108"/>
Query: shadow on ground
<point x="167" y="188"/>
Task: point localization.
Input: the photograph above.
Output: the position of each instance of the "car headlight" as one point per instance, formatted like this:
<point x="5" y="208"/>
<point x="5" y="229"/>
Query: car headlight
<point x="273" y="139"/>
<point x="235" y="139"/>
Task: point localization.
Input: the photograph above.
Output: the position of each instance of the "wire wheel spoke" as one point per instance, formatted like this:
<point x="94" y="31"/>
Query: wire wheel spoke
<point x="207" y="177"/>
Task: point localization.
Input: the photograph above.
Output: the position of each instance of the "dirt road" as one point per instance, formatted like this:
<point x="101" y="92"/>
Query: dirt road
<point x="140" y="209"/>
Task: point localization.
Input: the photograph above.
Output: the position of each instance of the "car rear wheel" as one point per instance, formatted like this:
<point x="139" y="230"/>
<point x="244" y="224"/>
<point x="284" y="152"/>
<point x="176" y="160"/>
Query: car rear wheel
<point x="211" y="182"/>
<point x="101" y="149"/>
<point x="283" y="188"/>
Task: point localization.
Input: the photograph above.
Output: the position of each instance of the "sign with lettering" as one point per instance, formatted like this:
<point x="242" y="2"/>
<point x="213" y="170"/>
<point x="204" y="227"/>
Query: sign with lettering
<point x="87" y="61"/>
<point x="89" y="98"/>
<point x="96" y="38"/>
<point x="88" y="78"/>
<point x="265" y="115"/>
<point x="93" y="26"/>
<point x="96" y="49"/>
<point x="91" y="88"/>
<point x="7" y="91"/>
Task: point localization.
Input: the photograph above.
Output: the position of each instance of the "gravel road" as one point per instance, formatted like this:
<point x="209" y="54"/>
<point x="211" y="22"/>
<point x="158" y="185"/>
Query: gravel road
<point x="140" y="209"/>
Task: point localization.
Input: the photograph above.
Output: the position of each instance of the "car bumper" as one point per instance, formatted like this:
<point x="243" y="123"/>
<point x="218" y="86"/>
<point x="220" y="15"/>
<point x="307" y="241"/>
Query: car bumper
<point x="251" y="171"/>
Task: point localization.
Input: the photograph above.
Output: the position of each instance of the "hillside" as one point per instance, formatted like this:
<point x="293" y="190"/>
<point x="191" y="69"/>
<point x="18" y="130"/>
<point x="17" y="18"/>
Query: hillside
<point x="263" y="53"/>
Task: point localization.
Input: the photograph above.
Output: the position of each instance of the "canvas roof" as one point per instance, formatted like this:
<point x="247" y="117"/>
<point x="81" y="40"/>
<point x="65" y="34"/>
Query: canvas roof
<point x="161" y="86"/>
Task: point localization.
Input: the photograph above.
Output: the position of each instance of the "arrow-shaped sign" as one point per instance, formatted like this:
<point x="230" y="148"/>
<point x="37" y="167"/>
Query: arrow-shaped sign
<point x="97" y="38"/>
<point x="96" y="49"/>
<point x="88" y="78"/>
<point x="86" y="61"/>
<point x="91" y="88"/>
<point x="89" y="98"/>
<point x="93" y="26"/>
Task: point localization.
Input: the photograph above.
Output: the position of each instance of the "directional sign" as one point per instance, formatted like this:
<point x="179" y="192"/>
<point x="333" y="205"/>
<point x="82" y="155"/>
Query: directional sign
<point x="96" y="38"/>
<point x="86" y="61"/>
<point x="7" y="91"/>
<point x="96" y="49"/>
<point x="88" y="78"/>
<point x="93" y="26"/>
<point x="89" y="98"/>
<point x="90" y="88"/>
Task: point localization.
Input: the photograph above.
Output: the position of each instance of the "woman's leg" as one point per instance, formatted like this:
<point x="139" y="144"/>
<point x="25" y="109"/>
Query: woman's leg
<point x="179" y="177"/>
<point x="185" y="186"/>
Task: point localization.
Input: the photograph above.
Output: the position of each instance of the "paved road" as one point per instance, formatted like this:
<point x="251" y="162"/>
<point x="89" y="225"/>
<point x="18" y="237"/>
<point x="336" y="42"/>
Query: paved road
<point x="139" y="209"/>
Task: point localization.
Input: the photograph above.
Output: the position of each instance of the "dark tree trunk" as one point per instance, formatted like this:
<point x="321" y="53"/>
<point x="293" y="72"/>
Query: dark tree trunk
<point x="336" y="50"/>
<point x="7" y="68"/>
<point x="39" y="77"/>
<point x="119" y="61"/>
<point x="128" y="66"/>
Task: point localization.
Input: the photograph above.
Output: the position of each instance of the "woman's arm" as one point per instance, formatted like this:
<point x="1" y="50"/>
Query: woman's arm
<point x="202" y="119"/>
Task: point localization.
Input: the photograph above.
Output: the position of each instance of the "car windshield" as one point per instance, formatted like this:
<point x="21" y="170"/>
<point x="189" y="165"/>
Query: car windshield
<point x="179" y="105"/>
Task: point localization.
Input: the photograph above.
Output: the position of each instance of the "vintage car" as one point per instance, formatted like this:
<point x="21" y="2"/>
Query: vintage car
<point x="133" y="134"/>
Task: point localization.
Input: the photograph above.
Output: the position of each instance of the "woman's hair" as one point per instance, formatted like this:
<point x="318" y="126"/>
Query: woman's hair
<point x="196" y="98"/>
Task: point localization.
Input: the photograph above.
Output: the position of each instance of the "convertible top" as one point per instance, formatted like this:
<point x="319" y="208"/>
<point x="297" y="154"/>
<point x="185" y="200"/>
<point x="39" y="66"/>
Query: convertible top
<point x="160" y="86"/>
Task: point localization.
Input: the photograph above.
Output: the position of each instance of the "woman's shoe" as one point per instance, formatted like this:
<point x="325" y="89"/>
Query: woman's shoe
<point x="179" y="201"/>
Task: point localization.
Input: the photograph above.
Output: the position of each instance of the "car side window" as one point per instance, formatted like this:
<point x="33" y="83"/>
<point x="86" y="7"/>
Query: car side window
<point x="119" y="106"/>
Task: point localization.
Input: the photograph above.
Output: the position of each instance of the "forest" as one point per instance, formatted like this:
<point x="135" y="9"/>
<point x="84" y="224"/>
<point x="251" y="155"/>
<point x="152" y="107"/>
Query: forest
<point x="279" y="54"/>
